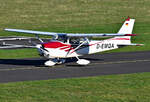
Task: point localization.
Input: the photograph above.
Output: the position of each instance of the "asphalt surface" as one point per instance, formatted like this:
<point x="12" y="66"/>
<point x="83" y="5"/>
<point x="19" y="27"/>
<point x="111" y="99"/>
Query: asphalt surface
<point x="13" y="70"/>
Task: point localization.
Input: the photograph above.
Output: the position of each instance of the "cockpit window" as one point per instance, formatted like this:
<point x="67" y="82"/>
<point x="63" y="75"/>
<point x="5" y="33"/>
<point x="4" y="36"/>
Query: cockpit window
<point x="77" y="40"/>
<point x="61" y="38"/>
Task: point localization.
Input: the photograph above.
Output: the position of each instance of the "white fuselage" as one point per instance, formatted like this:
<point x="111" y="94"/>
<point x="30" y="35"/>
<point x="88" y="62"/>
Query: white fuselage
<point x="65" y="50"/>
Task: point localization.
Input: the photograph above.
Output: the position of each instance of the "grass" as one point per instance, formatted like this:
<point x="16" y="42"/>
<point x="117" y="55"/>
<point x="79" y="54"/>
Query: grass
<point x="18" y="53"/>
<point x="112" y="88"/>
<point x="76" y="16"/>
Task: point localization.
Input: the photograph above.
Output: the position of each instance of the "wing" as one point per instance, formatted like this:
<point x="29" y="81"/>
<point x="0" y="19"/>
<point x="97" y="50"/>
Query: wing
<point x="31" y="32"/>
<point x="98" y="35"/>
<point x="67" y="34"/>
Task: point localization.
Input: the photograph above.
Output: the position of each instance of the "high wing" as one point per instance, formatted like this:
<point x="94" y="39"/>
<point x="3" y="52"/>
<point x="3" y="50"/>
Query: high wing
<point x="67" y="34"/>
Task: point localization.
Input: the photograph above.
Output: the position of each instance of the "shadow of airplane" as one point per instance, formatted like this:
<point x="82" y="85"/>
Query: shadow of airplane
<point x="37" y="61"/>
<point x="23" y="62"/>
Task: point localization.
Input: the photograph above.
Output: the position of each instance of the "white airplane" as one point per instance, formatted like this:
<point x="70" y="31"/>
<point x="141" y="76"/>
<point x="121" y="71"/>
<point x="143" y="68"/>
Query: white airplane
<point x="67" y="45"/>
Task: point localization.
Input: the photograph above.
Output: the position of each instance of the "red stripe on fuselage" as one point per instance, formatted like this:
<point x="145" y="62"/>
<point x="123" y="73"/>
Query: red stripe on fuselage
<point x="55" y="44"/>
<point x="110" y="39"/>
<point x="120" y="39"/>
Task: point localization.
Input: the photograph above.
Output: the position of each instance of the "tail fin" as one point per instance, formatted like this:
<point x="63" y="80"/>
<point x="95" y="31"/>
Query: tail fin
<point x="126" y="28"/>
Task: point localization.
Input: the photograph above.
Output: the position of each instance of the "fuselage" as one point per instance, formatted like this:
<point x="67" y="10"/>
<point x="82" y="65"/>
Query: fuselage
<point x="58" y="49"/>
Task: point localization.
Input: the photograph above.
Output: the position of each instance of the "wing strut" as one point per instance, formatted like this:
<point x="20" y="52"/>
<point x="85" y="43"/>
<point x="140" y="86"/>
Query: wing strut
<point x="77" y="47"/>
<point x="39" y="38"/>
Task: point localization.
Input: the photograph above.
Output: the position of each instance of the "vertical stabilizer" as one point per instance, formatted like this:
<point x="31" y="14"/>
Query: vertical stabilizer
<point x="127" y="27"/>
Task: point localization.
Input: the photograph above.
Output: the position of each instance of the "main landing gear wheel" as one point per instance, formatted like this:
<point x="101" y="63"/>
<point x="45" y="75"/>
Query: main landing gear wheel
<point x="53" y="62"/>
<point x="83" y="62"/>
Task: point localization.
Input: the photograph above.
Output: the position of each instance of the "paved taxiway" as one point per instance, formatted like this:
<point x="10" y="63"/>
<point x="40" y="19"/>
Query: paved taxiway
<point x="12" y="70"/>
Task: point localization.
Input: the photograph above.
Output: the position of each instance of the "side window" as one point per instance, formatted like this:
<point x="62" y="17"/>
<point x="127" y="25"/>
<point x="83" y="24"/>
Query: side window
<point x="74" y="41"/>
<point x="61" y="38"/>
<point x="77" y="40"/>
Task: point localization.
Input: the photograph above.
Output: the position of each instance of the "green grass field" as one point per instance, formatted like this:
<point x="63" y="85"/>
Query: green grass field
<point x="76" y="16"/>
<point x="114" y="88"/>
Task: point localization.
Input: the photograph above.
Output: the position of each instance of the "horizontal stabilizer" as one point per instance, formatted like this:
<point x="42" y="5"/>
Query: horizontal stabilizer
<point x="132" y="44"/>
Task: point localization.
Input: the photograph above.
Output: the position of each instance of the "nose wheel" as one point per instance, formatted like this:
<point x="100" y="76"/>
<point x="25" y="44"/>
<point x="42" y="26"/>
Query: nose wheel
<point x="49" y="63"/>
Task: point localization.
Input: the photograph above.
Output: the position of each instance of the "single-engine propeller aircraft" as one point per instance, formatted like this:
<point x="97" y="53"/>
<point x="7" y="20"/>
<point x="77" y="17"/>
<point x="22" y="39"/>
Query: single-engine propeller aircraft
<point x="67" y="45"/>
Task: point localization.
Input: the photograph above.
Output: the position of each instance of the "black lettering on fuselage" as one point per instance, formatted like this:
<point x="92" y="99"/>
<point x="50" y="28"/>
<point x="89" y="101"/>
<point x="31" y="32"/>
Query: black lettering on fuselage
<point x="105" y="46"/>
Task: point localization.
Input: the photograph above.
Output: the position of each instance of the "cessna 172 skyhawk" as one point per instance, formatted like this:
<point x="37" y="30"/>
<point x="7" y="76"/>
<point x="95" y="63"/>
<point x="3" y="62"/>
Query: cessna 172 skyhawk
<point x="65" y="45"/>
